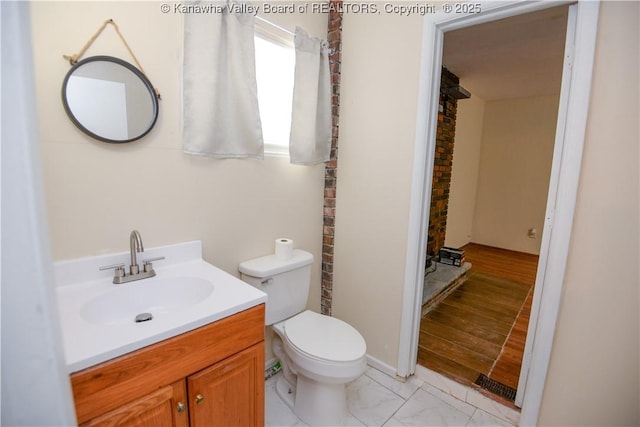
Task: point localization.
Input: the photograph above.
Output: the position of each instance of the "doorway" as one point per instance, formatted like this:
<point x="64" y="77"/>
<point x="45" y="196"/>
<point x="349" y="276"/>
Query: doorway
<point x="476" y="335"/>
<point x="572" y="118"/>
<point x="493" y="205"/>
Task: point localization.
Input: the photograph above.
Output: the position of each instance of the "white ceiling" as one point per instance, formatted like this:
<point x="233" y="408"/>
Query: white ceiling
<point x="514" y="57"/>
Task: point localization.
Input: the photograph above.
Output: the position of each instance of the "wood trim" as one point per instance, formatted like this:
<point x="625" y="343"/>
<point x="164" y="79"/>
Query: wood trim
<point x="111" y="384"/>
<point x="581" y="42"/>
<point x="131" y="410"/>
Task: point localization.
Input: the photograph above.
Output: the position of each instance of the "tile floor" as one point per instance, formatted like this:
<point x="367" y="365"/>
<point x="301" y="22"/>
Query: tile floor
<point x="376" y="399"/>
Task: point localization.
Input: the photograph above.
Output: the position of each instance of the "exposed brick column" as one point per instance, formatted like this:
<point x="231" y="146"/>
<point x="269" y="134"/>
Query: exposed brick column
<point x="334" y="38"/>
<point x="442" y="165"/>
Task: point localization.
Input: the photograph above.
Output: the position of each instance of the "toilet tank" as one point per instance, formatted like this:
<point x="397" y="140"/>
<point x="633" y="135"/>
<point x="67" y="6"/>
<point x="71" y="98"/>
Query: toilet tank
<point x="285" y="281"/>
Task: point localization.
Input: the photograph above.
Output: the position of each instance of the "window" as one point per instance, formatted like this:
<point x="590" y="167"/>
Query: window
<point x="275" y="64"/>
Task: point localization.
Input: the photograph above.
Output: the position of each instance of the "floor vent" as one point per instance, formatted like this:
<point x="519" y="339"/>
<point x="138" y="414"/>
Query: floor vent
<point x="496" y="388"/>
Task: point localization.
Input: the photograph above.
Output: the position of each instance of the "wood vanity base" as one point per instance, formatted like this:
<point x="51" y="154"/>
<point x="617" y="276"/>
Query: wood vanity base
<point x="213" y="375"/>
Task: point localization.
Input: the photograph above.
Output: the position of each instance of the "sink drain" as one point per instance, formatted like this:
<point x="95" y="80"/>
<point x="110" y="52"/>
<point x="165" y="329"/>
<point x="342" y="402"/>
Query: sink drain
<point x="143" y="317"/>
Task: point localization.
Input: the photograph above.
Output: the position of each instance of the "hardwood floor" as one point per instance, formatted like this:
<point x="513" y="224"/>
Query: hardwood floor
<point x="481" y="327"/>
<point x="511" y="265"/>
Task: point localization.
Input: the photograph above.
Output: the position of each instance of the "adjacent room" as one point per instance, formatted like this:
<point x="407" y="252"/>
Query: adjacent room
<point x="500" y="90"/>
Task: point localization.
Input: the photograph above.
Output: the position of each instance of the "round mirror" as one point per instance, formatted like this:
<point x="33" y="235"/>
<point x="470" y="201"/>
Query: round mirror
<point x="109" y="99"/>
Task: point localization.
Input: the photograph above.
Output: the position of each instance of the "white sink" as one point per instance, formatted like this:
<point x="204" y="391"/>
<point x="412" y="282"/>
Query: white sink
<point x="97" y="318"/>
<point x="156" y="296"/>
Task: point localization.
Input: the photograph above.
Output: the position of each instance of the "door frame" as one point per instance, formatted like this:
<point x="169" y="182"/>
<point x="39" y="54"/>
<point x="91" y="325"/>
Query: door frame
<point x="563" y="184"/>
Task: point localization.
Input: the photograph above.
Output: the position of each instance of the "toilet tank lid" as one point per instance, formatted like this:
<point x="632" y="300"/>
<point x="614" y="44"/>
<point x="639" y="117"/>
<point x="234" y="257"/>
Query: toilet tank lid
<point x="271" y="265"/>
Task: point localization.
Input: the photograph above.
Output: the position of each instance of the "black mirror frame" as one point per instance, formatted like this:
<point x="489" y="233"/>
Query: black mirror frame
<point x="130" y="67"/>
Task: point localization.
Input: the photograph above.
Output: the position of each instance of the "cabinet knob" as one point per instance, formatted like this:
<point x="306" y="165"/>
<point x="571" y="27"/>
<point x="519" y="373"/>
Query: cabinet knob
<point x="199" y="399"/>
<point x="180" y="407"/>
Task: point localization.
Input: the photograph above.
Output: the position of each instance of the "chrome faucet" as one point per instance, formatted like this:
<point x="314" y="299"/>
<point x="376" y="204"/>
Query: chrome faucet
<point x="135" y="245"/>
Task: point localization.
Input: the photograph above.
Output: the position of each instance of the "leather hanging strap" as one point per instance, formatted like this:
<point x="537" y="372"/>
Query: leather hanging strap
<point x="73" y="59"/>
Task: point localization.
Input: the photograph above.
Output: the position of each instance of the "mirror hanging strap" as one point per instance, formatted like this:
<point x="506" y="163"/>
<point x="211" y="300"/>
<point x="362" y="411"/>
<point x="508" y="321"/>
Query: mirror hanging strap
<point x="73" y="59"/>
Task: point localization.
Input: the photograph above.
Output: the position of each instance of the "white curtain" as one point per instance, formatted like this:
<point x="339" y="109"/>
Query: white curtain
<point x="310" y="140"/>
<point x="220" y="114"/>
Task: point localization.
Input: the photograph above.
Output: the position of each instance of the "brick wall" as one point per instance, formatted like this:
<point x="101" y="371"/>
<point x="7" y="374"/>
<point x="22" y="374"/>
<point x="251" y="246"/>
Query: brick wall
<point x="443" y="160"/>
<point x="334" y="38"/>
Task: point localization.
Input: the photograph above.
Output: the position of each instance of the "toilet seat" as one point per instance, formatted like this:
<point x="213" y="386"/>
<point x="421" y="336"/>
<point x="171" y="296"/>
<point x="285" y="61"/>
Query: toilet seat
<point x="324" y="338"/>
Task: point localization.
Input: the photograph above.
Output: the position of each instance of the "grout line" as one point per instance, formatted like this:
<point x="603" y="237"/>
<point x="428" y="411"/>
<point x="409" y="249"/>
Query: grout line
<point x="472" y="415"/>
<point x="386" y="388"/>
<point x="379" y="383"/>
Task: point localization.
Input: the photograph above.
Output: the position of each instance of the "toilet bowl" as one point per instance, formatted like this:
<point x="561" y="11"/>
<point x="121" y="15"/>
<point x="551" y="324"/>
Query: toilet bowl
<point x="319" y="354"/>
<point x="322" y="354"/>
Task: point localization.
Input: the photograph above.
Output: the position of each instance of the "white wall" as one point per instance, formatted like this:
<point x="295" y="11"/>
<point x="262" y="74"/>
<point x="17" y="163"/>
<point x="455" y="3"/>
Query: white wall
<point x="36" y="390"/>
<point x="380" y="68"/>
<point x="515" y="164"/>
<point x="594" y="372"/>
<point x="96" y="193"/>
<point x="501" y="166"/>
<point x="464" y="175"/>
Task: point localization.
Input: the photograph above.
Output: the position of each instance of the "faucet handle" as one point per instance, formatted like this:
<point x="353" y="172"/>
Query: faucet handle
<point x="147" y="263"/>
<point x="119" y="269"/>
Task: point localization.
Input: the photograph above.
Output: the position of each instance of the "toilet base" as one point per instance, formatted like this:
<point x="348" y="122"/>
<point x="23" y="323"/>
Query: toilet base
<point x="286" y="391"/>
<point x="320" y="404"/>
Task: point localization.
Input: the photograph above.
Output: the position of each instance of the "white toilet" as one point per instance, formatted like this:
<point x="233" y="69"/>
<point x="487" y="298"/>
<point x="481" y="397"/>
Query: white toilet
<point x="319" y="354"/>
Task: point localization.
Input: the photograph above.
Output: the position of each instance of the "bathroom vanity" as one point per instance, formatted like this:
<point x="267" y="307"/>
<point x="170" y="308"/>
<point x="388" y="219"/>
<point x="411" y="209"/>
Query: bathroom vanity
<point x="196" y="358"/>
<point x="211" y="376"/>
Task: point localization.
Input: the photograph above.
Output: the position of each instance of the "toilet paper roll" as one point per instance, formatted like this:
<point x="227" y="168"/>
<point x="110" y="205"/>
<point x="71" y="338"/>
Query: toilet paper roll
<point x="284" y="249"/>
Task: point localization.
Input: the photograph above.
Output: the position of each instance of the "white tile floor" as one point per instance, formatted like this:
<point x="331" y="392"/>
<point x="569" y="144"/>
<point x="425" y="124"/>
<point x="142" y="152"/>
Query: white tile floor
<point x="376" y="399"/>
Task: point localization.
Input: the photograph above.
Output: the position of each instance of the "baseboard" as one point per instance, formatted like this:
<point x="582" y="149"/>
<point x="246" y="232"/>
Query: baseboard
<point x="382" y="366"/>
<point x="371" y="361"/>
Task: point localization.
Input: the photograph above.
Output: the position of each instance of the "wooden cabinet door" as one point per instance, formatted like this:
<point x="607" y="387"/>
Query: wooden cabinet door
<point x="229" y="393"/>
<point x="158" y="409"/>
